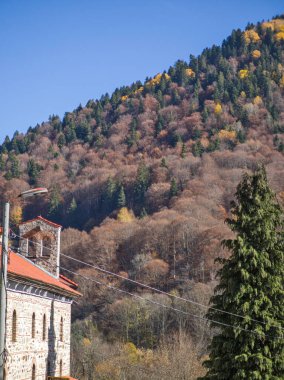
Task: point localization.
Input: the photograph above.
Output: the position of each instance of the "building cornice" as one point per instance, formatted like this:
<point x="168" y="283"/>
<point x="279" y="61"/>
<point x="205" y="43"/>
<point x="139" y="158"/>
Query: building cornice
<point x="14" y="279"/>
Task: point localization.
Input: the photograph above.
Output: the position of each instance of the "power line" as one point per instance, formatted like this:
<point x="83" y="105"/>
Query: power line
<point x="154" y="289"/>
<point x="163" y="292"/>
<point x="167" y="306"/>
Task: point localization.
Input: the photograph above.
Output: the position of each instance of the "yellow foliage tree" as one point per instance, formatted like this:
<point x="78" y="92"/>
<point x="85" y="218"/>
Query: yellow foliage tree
<point x="243" y="73"/>
<point x="281" y="83"/>
<point x="157" y="79"/>
<point x="108" y="370"/>
<point x="257" y="100"/>
<point x="243" y="94"/>
<point x="190" y="73"/>
<point x="124" y="215"/>
<point x="227" y="135"/>
<point x="16" y="214"/>
<point x="218" y="109"/>
<point x="274" y="25"/>
<point x="139" y="90"/>
<point x="86" y="342"/>
<point x="124" y="97"/>
<point x="132" y="352"/>
<point x="256" y="54"/>
<point x="279" y="36"/>
<point x="251" y="36"/>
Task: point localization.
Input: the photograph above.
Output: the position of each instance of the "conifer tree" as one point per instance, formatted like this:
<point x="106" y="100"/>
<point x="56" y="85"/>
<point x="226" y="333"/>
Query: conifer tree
<point x="142" y="182"/>
<point x="73" y="206"/>
<point x="173" y="188"/>
<point x="183" y="150"/>
<point x="121" y="199"/>
<point x="251" y="285"/>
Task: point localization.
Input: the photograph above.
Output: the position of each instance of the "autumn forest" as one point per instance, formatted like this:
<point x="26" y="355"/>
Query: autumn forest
<point x="142" y="180"/>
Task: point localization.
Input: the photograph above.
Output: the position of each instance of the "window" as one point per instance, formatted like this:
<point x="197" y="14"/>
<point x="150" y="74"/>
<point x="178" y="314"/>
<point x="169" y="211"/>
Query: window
<point x="33" y="372"/>
<point x="61" y="330"/>
<point x="33" y="326"/>
<point x="32" y="247"/>
<point x="44" y="327"/>
<point x="60" y="368"/>
<point x="46" y="246"/>
<point x="14" y="326"/>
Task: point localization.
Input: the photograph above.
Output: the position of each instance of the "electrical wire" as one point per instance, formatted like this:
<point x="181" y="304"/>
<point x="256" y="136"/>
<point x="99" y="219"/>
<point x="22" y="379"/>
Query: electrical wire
<point x="152" y="288"/>
<point x="169" y="307"/>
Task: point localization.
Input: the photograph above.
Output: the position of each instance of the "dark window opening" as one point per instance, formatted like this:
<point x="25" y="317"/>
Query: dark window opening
<point x="33" y="326"/>
<point x="14" y="326"/>
<point x="61" y="330"/>
<point x="44" y="327"/>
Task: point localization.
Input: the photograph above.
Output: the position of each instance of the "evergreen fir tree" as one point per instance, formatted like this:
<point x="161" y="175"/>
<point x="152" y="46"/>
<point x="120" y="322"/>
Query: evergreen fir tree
<point x="173" y="188"/>
<point x="183" y="150"/>
<point x="33" y="170"/>
<point x="121" y="199"/>
<point x="72" y="207"/>
<point x="251" y="285"/>
<point x="54" y="201"/>
<point x="142" y="182"/>
<point x="2" y="163"/>
<point x="143" y="213"/>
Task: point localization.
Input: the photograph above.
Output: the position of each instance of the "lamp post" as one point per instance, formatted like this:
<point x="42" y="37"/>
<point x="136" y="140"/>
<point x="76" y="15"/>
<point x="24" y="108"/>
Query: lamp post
<point x="3" y="280"/>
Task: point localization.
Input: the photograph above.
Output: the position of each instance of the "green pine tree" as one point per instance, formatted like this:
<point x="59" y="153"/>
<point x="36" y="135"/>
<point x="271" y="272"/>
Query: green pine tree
<point x="55" y="201"/>
<point x="142" y="182"/>
<point x="183" y="150"/>
<point x="251" y="284"/>
<point x="121" y="198"/>
<point x="33" y="170"/>
<point x="72" y="207"/>
<point x="173" y="188"/>
<point x="2" y="163"/>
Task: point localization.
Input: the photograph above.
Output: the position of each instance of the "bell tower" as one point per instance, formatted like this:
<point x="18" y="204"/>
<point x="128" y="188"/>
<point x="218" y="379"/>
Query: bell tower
<point x="40" y="243"/>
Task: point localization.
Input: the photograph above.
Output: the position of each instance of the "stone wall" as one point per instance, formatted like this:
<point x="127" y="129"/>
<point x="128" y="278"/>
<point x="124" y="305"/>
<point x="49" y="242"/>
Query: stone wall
<point x="27" y="351"/>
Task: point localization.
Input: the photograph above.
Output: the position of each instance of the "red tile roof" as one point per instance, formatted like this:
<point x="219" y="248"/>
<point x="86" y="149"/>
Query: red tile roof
<point x="43" y="220"/>
<point x="22" y="267"/>
<point x="73" y="284"/>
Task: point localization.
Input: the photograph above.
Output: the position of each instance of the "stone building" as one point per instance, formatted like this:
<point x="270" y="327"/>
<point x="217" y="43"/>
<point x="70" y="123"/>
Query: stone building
<point x="39" y="299"/>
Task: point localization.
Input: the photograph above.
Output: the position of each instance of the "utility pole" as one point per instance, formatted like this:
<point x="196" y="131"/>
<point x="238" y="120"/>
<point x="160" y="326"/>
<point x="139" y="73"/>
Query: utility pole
<point x="3" y="294"/>
<point x="3" y="280"/>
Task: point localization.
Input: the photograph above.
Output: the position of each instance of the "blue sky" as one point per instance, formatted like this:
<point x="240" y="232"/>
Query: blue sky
<point x="56" y="54"/>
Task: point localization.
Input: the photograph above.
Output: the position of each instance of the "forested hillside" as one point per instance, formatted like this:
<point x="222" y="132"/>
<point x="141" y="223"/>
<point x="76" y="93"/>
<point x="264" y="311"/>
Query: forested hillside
<point x="141" y="181"/>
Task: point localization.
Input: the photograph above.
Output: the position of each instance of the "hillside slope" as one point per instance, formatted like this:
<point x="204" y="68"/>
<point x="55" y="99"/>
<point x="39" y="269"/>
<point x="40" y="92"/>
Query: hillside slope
<point x="142" y="180"/>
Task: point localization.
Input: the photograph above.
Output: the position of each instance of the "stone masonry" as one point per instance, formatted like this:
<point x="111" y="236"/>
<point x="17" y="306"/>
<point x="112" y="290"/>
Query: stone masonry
<point x="41" y="243"/>
<point x="27" y="351"/>
<point x="38" y="315"/>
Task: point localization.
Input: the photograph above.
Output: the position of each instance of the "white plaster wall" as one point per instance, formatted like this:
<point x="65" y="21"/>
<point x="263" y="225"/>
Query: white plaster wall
<point x="27" y="351"/>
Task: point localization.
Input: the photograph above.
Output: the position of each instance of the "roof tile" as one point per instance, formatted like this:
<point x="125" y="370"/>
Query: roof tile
<point x="22" y="267"/>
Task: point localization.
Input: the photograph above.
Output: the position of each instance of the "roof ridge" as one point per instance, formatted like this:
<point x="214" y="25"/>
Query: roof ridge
<point x="39" y="217"/>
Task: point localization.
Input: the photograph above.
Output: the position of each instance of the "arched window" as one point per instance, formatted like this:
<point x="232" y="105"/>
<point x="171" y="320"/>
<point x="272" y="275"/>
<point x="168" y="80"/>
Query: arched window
<point x="61" y="330"/>
<point x="44" y="327"/>
<point x="33" y="372"/>
<point x="60" y="368"/>
<point x="14" y="326"/>
<point x="33" y="325"/>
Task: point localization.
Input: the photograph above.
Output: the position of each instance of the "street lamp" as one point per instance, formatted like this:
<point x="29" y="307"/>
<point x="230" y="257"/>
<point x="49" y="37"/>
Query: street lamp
<point x="3" y="281"/>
